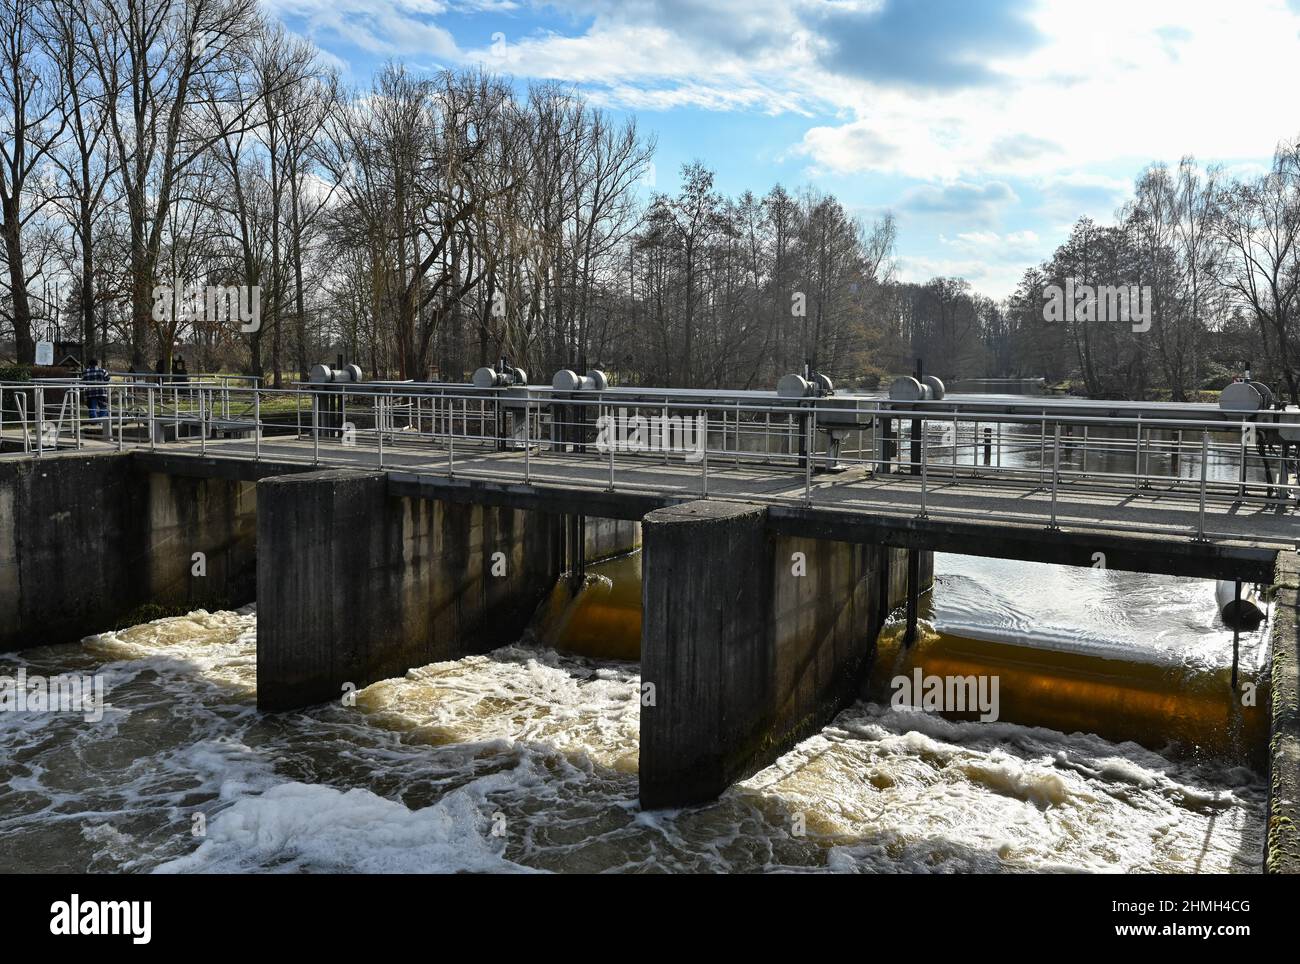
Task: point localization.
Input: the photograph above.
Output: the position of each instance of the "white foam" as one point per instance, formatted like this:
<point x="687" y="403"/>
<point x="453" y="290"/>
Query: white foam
<point x="307" y="827"/>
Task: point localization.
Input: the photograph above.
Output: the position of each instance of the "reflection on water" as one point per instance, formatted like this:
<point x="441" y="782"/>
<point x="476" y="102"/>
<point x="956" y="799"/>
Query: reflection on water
<point x="526" y="758"/>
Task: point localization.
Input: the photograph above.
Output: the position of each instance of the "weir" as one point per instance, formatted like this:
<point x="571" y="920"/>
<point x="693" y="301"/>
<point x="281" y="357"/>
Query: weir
<point x="769" y="565"/>
<point x="360" y="577"/>
<point x="358" y="584"/>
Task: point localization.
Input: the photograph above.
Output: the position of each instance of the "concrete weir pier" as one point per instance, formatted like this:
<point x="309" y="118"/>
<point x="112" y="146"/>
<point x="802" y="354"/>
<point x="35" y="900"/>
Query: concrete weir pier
<point x="751" y="641"/>
<point x="355" y="585"/>
<point x="88" y="541"/>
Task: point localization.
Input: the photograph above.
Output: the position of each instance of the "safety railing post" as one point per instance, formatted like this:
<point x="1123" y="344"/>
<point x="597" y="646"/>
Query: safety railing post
<point x="40" y="420"/>
<point x="610" y="437"/>
<point x="704" y="460"/>
<point x="956" y="429"/>
<point x="315" y="428"/>
<point x="153" y="440"/>
<point x="1241" y="474"/>
<point x="1205" y="461"/>
<point x="808" y="454"/>
<point x="379" y="424"/>
<point x="1056" y="467"/>
<point x="528" y="414"/>
<point x="1137" y="457"/>
<point x="257" y="424"/>
<point x="736" y="440"/>
<point x="925" y="474"/>
<point x="1042" y="445"/>
<point x="665" y="442"/>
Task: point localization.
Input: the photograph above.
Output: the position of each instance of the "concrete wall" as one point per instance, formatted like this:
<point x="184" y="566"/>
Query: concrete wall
<point x="355" y="585"/>
<point x="87" y="540"/>
<point x="604" y="538"/>
<point x="186" y="515"/>
<point x="1283" y="849"/>
<point x="749" y="646"/>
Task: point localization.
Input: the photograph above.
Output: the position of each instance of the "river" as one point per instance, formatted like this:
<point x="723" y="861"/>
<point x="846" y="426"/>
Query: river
<point x="525" y="759"/>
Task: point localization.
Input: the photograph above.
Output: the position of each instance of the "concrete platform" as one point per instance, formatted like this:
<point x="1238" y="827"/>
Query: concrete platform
<point x="1151" y="530"/>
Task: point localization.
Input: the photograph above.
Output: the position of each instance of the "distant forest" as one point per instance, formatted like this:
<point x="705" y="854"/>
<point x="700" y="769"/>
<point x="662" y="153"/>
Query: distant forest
<point x="427" y="225"/>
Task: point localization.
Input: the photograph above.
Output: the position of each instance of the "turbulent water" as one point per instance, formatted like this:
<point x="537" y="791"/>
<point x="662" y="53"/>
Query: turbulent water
<point x="525" y="759"/>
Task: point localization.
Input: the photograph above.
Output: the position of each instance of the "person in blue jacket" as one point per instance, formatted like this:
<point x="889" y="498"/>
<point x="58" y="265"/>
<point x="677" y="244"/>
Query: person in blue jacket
<point x="96" y="394"/>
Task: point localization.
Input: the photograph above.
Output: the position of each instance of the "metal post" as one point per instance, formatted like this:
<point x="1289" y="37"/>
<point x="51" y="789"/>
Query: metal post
<point x="1205" y="457"/>
<point x="1042" y="445"/>
<point x="257" y="424"/>
<point x="527" y="444"/>
<point x="612" y="443"/>
<point x="704" y="461"/>
<point x="203" y="426"/>
<point x="40" y="420"/>
<point x="379" y="424"/>
<point x="808" y="457"/>
<point x="315" y="427"/>
<point x="152" y="439"/>
<point x="956" y="428"/>
<point x="1137" y="457"/>
<point x="1056" y="467"/>
<point x="925" y="475"/>
<point x="451" y="438"/>
<point x="121" y="411"/>
<point x="1241" y="474"/>
<point x="737" y="439"/>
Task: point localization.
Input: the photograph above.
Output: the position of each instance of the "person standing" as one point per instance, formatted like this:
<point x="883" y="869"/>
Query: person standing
<point x="96" y="394"/>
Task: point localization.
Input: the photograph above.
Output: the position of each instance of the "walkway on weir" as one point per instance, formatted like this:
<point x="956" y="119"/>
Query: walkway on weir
<point x="1147" y="529"/>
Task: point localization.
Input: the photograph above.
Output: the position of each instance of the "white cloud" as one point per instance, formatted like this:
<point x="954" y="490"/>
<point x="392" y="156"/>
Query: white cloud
<point x="1112" y="80"/>
<point x="982" y="108"/>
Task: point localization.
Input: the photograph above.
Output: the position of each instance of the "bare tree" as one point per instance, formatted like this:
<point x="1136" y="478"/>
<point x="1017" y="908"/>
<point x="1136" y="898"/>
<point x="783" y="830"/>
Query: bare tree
<point x="31" y="121"/>
<point x="1259" y="224"/>
<point x="157" y="61"/>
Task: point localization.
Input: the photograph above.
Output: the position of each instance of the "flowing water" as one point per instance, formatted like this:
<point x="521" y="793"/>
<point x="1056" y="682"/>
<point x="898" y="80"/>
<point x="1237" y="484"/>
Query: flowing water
<point x="526" y="758"/>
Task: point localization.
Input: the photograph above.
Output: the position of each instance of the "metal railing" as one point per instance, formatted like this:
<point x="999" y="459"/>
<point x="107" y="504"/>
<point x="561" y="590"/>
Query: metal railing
<point x="448" y="429"/>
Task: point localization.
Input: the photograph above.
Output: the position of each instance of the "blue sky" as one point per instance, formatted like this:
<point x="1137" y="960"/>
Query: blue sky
<point x="987" y="126"/>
